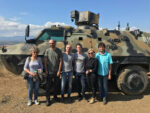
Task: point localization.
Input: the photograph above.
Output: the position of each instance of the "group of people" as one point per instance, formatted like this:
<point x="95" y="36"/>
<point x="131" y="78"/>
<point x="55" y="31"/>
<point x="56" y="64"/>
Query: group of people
<point x="93" y="68"/>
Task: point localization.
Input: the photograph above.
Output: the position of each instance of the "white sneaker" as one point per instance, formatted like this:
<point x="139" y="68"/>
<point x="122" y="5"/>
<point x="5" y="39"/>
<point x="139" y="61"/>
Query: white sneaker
<point x="36" y="102"/>
<point x="92" y="100"/>
<point x="29" y="103"/>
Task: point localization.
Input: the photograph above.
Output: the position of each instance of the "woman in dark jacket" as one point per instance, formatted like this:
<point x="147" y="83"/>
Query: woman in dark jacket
<point x="91" y="71"/>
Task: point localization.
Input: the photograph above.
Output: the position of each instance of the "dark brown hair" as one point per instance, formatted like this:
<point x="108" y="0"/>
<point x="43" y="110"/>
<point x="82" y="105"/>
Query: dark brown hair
<point x="101" y="45"/>
<point x="78" y="44"/>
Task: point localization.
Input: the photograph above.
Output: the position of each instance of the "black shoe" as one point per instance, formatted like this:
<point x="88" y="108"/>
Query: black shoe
<point x="56" y="99"/>
<point x="68" y="95"/>
<point x="100" y="99"/>
<point x="62" y="98"/>
<point x="48" y="103"/>
<point x="79" y="98"/>
<point x="79" y="95"/>
<point x="69" y="99"/>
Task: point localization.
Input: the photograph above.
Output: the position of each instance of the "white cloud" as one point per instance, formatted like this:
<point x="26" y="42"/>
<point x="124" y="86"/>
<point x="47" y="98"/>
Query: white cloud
<point x="133" y="28"/>
<point x="14" y="18"/>
<point x="100" y="28"/>
<point x="48" y="24"/>
<point x="9" y="28"/>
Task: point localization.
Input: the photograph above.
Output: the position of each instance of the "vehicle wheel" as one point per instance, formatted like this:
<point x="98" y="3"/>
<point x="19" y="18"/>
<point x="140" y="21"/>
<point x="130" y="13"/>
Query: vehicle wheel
<point x="42" y="92"/>
<point x="132" y="80"/>
<point x="11" y="64"/>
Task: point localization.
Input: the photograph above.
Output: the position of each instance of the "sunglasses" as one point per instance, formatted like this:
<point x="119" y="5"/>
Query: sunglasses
<point x="91" y="53"/>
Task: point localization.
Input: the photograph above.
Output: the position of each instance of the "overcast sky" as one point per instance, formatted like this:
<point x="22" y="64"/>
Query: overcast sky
<point x="16" y="14"/>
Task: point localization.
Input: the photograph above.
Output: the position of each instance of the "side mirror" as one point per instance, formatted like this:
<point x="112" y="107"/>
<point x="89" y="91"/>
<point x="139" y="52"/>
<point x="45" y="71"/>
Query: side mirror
<point x="27" y="31"/>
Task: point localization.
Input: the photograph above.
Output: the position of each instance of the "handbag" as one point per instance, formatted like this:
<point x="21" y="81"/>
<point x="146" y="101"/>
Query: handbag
<point x="38" y="74"/>
<point x="25" y="75"/>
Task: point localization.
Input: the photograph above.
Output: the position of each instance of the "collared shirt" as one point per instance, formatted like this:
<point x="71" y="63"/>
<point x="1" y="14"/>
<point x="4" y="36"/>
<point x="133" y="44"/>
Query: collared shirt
<point x="103" y="63"/>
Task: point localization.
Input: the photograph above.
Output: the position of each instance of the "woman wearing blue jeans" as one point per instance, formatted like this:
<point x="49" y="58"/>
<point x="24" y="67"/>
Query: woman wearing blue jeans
<point x="67" y="71"/>
<point x="31" y="66"/>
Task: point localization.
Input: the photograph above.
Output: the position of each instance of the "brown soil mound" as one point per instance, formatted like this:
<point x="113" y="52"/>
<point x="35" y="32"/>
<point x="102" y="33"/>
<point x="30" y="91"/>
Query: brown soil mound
<point x="13" y="99"/>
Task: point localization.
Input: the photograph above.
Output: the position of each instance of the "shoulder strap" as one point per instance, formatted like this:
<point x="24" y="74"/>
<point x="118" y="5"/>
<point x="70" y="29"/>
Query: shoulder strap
<point x="29" y="59"/>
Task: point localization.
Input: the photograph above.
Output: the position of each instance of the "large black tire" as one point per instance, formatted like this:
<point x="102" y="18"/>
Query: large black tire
<point x="11" y="64"/>
<point x="132" y="80"/>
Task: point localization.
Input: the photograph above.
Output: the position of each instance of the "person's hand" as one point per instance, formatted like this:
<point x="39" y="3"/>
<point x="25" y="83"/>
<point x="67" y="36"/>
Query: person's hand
<point x="58" y="73"/>
<point x="46" y="72"/>
<point x="60" y="76"/>
<point x="32" y="74"/>
<point x="86" y="73"/>
<point x="90" y="70"/>
<point x="109" y="76"/>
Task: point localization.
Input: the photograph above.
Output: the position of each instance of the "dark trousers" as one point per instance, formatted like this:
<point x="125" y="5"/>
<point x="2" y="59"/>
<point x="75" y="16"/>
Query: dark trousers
<point x="80" y="83"/>
<point x="91" y="80"/>
<point x="103" y="85"/>
<point x="52" y="84"/>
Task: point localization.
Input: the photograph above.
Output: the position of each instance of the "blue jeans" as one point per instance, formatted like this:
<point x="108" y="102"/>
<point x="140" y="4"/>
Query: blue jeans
<point x="80" y="82"/>
<point x="103" y="85"/>
<point x="32" y="87"/>
<point x="65" y="76"/>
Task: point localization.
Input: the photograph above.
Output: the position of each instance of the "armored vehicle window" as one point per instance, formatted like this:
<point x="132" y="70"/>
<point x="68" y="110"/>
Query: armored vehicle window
<point x="57" y="35"/>
<point x="99" y="39"/>
<point x="80" y="38"/>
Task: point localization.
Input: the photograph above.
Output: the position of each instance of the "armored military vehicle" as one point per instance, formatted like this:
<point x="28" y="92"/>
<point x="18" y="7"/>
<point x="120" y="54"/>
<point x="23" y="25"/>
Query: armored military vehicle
<point x="130" y="50"/>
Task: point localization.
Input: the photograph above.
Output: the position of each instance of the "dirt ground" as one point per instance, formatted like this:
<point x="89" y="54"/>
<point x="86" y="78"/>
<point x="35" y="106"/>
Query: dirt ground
<point x="13" y="99"/>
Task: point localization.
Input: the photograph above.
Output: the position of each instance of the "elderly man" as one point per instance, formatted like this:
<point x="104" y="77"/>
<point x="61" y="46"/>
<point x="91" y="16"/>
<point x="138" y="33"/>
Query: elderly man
<point x="53" y="64"/>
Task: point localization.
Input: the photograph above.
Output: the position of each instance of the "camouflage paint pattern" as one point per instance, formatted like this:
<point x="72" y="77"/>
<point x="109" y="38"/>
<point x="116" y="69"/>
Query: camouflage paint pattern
<point x="126" y="47"/>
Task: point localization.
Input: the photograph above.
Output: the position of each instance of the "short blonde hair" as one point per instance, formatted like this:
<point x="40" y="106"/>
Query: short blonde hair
<point x="91" y="50"/>
<point x="69" y="45"/>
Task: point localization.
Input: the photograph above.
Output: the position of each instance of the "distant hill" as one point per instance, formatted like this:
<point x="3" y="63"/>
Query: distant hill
<point x="11" y="40"/>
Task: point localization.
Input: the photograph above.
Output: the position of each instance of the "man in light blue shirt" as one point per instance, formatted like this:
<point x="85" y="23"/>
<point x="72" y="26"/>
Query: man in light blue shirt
<point x="104" y="70"/>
